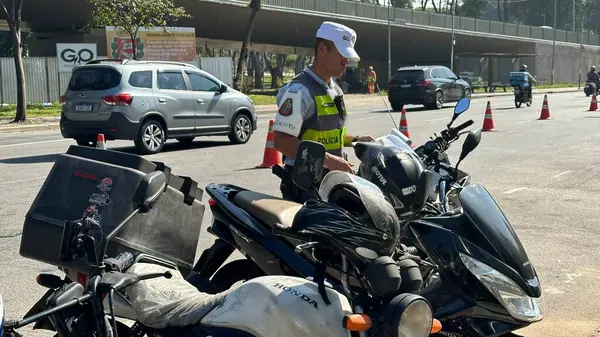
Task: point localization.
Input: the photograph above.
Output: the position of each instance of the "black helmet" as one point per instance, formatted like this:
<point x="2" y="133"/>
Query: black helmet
<point x="354" y="213"/>
<point x="395" y="171"/>
<point x="524" y="67"/>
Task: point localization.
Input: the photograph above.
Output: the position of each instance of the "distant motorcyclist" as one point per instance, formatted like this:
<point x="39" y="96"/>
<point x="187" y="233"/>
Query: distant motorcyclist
<point x="530" y="79"/>
<point x="592" y="76"/>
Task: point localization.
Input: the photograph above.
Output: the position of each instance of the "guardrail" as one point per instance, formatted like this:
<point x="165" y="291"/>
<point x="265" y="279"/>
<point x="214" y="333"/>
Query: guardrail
<point x="354" y="8"/>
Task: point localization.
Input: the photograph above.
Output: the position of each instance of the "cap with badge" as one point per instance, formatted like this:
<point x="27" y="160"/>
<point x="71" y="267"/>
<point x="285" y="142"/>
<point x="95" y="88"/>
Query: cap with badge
<point x="343" y="37"/>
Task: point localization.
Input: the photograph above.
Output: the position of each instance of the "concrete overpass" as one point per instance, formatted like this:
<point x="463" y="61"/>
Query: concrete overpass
<point x="417" y="37"/>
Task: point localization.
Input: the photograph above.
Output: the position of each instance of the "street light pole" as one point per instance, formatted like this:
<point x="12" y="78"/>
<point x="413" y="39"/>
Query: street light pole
<point x="453" y="41"/>
<point x="553" y="45"/>
<point x="389" y="43"/>
<point x="573" y="16"/>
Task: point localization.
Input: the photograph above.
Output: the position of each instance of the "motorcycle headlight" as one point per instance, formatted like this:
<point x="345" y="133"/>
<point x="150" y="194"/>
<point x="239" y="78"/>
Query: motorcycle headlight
<point x="513" y="298"/>
<point x="409" y="315"/>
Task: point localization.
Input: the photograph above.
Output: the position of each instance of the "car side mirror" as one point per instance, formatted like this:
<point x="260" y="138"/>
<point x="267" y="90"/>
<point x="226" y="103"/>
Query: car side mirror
<point x="149" y="191"/>
<point x="222" y="88"/>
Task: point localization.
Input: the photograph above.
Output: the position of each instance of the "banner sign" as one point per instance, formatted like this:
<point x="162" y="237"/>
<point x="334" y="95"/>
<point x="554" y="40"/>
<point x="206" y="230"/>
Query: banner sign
<point x="153" y="44"/>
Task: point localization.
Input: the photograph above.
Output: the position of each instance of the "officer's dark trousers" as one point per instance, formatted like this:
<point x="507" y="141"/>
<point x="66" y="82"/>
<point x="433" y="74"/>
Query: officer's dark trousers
<point x="292" y="192"/>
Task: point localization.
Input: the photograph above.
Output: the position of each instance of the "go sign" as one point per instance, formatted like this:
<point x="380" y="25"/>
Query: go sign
<point x="76" y="57"/>
<point x="72" y="54"/>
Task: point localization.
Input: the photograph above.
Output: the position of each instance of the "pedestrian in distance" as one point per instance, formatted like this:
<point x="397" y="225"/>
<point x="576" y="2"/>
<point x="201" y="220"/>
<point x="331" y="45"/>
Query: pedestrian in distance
<point x="311" y="107"/>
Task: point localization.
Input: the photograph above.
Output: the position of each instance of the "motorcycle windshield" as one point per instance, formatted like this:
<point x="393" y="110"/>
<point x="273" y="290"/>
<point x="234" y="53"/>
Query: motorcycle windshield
<point x="397" y="139"/>
<point x="483" y="211"/>
<point x="380" y="210"/>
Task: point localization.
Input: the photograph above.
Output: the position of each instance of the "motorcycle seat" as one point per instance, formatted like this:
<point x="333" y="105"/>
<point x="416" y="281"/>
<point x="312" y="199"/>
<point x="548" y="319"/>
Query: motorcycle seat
<point x="267" y="208"/>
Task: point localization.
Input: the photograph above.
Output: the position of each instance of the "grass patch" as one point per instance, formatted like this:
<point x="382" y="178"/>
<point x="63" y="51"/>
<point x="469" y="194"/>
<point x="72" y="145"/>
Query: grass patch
<point x="33" y="110"/>
<point x="262" y="99"/>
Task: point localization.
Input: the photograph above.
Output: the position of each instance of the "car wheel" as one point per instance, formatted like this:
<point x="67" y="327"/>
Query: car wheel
<point x="86" y="142"/>
<point x="151" y="137"/>
<point x="439" y="100"/>
<point x="467" y="93"/>
<point x="187" y="141"/>
<point x="241" y="129"/>
<point x="396" y="106"/>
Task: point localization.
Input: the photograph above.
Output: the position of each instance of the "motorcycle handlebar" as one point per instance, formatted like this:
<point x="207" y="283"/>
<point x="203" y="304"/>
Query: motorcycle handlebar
<point x="463" y="126"/>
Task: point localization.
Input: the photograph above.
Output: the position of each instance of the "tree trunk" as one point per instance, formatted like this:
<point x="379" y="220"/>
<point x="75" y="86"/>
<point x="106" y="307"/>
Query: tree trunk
<point x="21" y="115"/>
<point x="244" y="51"/>
<point x="259" y="70"/>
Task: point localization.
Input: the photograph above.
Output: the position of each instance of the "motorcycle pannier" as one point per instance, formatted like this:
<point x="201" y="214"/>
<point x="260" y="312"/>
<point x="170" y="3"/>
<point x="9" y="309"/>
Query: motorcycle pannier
<point x="101" y="184"/>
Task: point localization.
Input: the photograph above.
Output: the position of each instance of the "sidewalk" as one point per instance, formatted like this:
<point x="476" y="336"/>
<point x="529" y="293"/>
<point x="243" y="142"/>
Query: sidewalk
<point x="51" y="123"/>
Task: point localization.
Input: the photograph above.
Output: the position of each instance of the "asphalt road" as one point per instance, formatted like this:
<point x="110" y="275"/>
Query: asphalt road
<point x="543" y="174"/>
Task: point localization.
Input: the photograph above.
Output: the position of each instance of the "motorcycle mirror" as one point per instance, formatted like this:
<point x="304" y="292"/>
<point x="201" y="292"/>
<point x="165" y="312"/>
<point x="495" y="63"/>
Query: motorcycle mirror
<point x="308" y="167"/>
<point x="423" y="190"/>
<point x="471" y="142"/>
<point x="149" y="190"/>
<point x="461" y="106"/>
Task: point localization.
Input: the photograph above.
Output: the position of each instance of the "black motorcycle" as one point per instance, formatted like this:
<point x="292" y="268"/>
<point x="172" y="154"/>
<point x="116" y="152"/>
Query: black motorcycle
<point x="589" y="88"/>
<point x="488" y="285"/>
<point x="522" y="95"/>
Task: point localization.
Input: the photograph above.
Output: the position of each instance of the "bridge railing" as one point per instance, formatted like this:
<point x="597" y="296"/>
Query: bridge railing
<point x="355" y="8"/>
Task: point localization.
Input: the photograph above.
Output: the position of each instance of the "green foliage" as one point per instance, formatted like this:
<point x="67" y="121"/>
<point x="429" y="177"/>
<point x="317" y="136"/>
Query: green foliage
<point x="131" y="15"/>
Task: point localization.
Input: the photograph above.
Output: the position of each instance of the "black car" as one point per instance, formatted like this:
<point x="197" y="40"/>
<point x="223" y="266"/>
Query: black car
<point x="430" y="86"/>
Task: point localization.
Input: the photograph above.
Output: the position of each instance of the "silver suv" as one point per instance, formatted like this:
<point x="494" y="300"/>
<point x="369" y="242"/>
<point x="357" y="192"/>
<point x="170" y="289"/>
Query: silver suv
<point x="151" y="101"/>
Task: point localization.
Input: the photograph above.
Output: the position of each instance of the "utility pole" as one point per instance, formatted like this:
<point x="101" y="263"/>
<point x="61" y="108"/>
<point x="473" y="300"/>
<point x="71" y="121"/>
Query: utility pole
<point x="389" y="42"/>
<point x="453" y="41"/>
<point x="573" y="16"/>
<point x="553" y="44"/>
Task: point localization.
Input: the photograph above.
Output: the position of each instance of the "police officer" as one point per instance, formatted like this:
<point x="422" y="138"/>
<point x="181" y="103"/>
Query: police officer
<point x="311" y="106"/>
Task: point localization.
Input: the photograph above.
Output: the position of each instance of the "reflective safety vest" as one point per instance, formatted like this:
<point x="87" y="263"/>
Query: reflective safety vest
<point x="371" y="76"/>
<point x="328" y="125"/>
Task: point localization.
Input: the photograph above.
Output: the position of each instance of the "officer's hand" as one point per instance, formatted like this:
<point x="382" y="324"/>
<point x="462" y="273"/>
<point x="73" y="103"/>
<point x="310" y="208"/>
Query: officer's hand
<point x="334" y="163"/>
<point x="365" y="139"/>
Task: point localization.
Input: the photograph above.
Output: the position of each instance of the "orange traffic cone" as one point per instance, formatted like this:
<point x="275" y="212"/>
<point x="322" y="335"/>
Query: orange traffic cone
<point x="271" y="156"/>
<point x="545" y="114"/>
<point x="100" y="142"/>
<point x="593" y="103"/>
<point x="403" y="127"/>
<point x="488" y="121"/>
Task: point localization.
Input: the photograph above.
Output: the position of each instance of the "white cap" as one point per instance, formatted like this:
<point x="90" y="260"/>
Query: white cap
<point x="343" y="37"/>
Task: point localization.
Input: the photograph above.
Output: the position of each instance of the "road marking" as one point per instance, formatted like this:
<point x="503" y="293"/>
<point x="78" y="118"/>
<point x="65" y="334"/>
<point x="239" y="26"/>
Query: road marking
<point x="523" y="122"/>
<point x="21" y="180"/>
<point x="514" y="190"/>
<point x="34" y="143"/>
<point x="436" y="119"/>
<point x="560" y="174"/>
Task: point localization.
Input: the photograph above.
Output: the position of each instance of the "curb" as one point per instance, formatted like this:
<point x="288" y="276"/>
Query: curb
<point x="25" y="128"/>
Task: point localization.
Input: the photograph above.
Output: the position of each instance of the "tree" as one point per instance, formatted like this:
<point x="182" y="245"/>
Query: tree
<point x="131" y="15"/>
<point x="13" y="18"/>
<point x="255" y="6"/>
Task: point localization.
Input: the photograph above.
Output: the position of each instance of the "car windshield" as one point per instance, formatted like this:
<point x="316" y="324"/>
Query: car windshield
<point x="379" y="208"/>
<point x="94" y="78"/>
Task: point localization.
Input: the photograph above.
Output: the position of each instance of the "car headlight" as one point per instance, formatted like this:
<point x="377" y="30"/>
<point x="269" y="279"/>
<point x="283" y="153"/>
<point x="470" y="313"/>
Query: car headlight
<point x="409" y="315"/>
<point x="513" y="298"/>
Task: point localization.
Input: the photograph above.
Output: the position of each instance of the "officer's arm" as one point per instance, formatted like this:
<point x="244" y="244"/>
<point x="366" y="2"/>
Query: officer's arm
<point x="291" y="112"/>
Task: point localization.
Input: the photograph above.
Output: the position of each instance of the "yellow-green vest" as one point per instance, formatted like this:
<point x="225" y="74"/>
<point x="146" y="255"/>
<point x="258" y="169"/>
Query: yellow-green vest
<point x="328" y="125"/>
